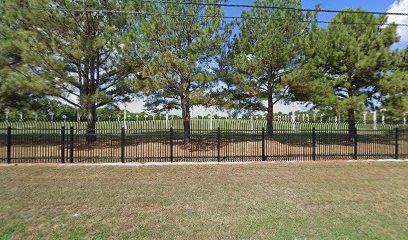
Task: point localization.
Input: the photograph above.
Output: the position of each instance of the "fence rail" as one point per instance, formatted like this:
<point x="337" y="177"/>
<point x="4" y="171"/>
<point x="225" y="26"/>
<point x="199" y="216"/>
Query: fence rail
<point x="71" y="145"/>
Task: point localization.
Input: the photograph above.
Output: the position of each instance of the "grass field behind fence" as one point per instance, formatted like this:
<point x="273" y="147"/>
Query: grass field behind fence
<point x="319" y="200"/>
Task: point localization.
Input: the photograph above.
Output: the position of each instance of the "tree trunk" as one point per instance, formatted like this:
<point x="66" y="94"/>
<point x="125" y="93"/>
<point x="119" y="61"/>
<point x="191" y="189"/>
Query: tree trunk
<point x="351" y="125"/>
<point x="269" y="117"/>
<point x="91" y="123"/>
<point x="185" y="108"/>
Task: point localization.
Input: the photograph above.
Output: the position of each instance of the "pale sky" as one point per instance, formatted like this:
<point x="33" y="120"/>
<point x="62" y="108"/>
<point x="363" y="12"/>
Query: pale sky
<point x="137" y="106"/>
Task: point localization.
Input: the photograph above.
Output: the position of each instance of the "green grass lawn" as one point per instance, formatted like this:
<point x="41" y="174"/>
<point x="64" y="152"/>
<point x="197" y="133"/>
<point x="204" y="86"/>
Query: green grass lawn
<point x="316" y="200"/>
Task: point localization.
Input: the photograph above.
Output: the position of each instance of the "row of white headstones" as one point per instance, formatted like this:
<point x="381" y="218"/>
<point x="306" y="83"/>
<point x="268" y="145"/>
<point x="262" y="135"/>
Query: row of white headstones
<point x="292" y="117"/>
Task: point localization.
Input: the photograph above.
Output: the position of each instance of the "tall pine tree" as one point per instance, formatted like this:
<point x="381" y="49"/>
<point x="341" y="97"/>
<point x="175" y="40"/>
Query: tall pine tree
<point x="265" y="51"/>
<point x="178" y="46"/>
<point x="394" y="86"/>
<point x="78" y="50"/>
<point x="18" y="87"/>
<point x="344" y="63"/>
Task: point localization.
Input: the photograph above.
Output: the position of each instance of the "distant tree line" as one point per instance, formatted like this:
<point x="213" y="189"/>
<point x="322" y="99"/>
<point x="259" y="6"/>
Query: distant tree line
<point x="92" y="56"/>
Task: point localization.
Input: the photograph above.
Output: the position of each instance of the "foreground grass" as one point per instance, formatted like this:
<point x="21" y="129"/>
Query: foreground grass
<point x="362" y="200"/>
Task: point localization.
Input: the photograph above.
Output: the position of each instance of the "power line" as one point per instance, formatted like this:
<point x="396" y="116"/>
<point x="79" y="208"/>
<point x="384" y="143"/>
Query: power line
<point x="200" y="16"/>
<point x="275" y="7"/>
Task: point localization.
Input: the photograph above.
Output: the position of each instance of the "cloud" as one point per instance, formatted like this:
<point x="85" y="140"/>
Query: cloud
<point x="400" y="6"/>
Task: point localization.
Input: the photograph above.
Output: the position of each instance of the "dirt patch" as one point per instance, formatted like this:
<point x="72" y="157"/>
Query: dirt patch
<point x="110" y="151"/>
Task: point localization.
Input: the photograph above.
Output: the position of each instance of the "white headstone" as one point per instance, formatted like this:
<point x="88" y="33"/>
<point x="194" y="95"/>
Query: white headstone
<point x="51" y="114"/>
<point x="375" y="120"/>
<point x="21" y="115"/>
<point x="383" y="110"/>
<point x="365" y="117"/>
<point x="7" y="111"/>
<point x="211" y="119"/>
<point x="124" y="118"/>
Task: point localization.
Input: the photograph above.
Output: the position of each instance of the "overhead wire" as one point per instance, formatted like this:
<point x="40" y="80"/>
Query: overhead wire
<point x="193" y="15"/>
<point x="274" y="7"/>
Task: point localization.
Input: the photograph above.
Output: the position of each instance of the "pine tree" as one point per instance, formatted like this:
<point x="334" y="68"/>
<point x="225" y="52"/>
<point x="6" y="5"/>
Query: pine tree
<point x="78" y="50"/>
<point x="265" y="51"/>
<point x="394" y="86"/>
<point x="18" y="88"/>
<point x="344" y="63"/>
<point x="178" y="46"/>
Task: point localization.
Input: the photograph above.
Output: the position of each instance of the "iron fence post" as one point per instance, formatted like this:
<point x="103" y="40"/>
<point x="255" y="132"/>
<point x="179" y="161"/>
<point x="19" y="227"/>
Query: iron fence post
<point x="355" y="144"/>
<point x="396" y="143"/>
<point x="122" y="145"/>
<point x="62" y="144"/>
<point x="314" y="143"/>
<point x="9" y="145"/>
<point x="171" y="145"/>
<point x="71" y="145"/>
<point x="218" y="144"/>
<point x="263" y="144"/>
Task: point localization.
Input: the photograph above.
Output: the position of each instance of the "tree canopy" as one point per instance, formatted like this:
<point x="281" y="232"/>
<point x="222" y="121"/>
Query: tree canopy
<point x="178" y="50"/>
<point x="18" y="87"/>
<point x="394" y="87"/>
<point x="264" y="52"/>
<point x="79" y="53"/>
<point x="344" y="64"/>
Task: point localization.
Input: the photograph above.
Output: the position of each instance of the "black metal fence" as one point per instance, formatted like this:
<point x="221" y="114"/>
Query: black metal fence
<point x="69" y="145"/>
